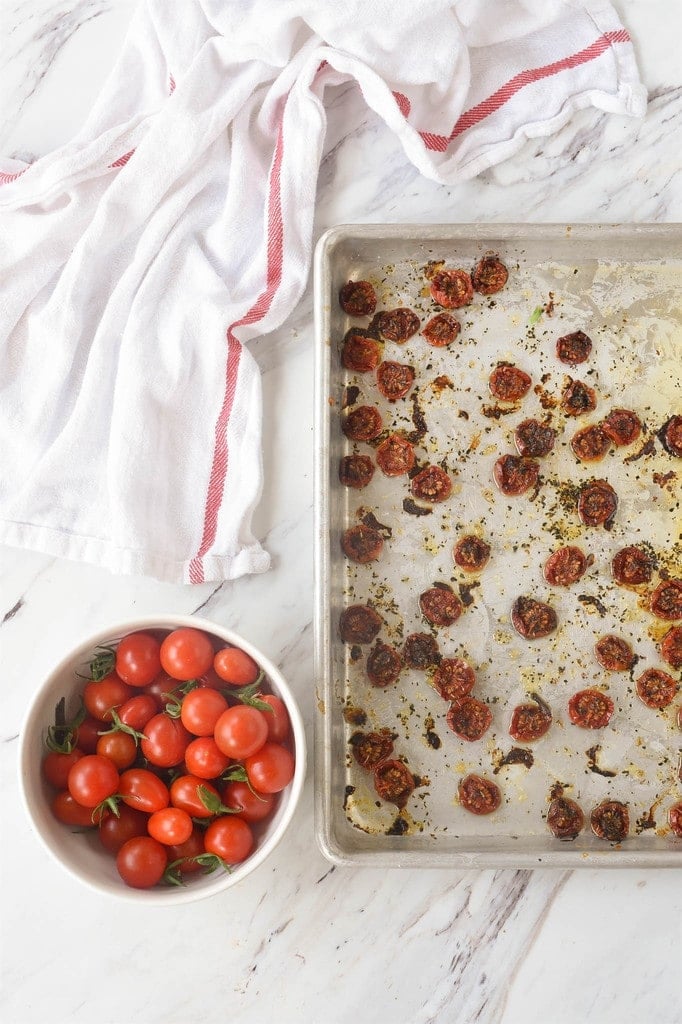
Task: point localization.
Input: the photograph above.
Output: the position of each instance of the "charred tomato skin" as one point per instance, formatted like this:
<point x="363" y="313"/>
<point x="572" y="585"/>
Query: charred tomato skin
<point x="565" y="566"/>
<point x="478" y="795"/>
<point x="397" y="325"/>
<point x="610" y="821"/>
<point x="371" y="748"/>
<point x="597" y="504"/>
<point x="358" y="298"/>
<point x="451" y="288"/>
<point x="489" y="275"/>
<point x="363" y="423"/>
<point x="534" y="439"/>
<point x="394" y="782"/>
<point x="573" y="348"/>
<point x="614" y="654"/>
<point x="565" y="818"/>
<point x="432" y="484"/>
<point x="471" y="553"/>
<point x="359" y="624"/>
<point x="533" y="619"/>
<point x="671" y="436"/>
<point x="590" y="709"/>
<point x="514" y="474"/>
<point x="666" y="600"/>
<point x="454" y="678"/>
<point x="529" y="722"/>
<point x="360" y="352"/>
<point x="469" y="718"/>
<point x="421" y="651"/>
<point x="671" y="647"/>
<point x="383" y="665"/>
<point x="395" y="456"/>
<point x="440" y="606"/>
<point x="355" y="471"/>
<point x="656" y="688"/>
<point x="578" y="398"/>
<point x="508" y="383"/>
<point x="622" y="427"/>
<point x="394" y="380"/>
<point x="441" y="330"/>
<point x="631" y="566"/>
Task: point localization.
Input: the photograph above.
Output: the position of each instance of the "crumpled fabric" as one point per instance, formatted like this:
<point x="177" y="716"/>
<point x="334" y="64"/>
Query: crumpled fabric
<point x="138" y="261"/>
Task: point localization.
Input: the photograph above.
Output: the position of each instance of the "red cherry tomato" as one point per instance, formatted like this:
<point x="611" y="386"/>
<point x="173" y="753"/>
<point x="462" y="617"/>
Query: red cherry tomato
<point x="115" y="831"/>
<point x="241" y="731"/>
<point x="66" y="810"/>
<point x="56" y="767"/>
<point x="234" y="666"/>
<point x="119" y="747"/>
<point x="186" y="653"/>
<point x="171" y="826"/>
<point x="229" y="838"/>
<point x="137" y="659"/>
<point x="270" y="769"/>
<point x="92" y="779"/>
<point x="185" y="852"/>
<point x="100" y="697"/>
<point x="86" y="735"/>
<point x="165" y="742"/>
<point x="162" y="689"/>
<point x="143" y="791"/>
<point x="204" y="758"/>
<point x="277" y="720"/>
<point x="137" y="711"/>
<point x="201" y="709"/>
<point x="254" y="806"/>
<point x="141" y="862"/>
<point x="184" y="794"/>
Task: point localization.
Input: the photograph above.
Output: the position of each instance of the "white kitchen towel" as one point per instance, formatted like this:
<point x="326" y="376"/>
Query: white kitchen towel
<point x="137" y="260"/>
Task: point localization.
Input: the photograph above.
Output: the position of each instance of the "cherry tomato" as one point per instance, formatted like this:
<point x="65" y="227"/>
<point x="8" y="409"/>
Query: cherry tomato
<point x="92" y="779"/>
<point x="86" y="735"/>
<point x="119" y="747"/>
<point x="171" y="826"/>
<point x="277" y="720"/>
<point x="137" y="659"/>
<point x="234" y="666"/>
<point x="186" y="653"/>
<point x="184" y="794"/>
<point x="143" y="791"/>
<point x="201" y="709"/>
<point x="56" y="767"/>
<point x="183" y="852"/>
<point x="162" y="689"/>
<point x="229" y="838"/>
<point x="165" y="742"/>
<point x="66" y="810"/>
<point x="100" y="697"/>
<point x="137" y="711"/>
<point x="141" y="862"/>
<point x="241" y="731"/>
<point x="254" y="806"/>
<point x="115" y="831"/>
<point x="270" y="769"/>
<point x="204" y="758"/>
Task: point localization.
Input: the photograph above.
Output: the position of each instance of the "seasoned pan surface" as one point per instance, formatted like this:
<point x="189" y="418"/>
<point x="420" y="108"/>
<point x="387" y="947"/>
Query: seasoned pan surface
<point x="623" y="289"/>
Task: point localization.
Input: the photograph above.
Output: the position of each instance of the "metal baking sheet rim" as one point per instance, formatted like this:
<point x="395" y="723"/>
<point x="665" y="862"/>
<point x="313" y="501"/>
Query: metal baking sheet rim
<point x="334" y="850"/>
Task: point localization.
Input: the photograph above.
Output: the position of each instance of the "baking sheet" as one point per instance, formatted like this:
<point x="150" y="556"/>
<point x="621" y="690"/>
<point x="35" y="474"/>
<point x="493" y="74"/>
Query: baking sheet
<point x="623" y="287"/>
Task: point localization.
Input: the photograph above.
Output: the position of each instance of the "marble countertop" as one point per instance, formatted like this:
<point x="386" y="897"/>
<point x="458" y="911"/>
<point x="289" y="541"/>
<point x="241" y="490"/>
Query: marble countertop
<point x="301" y="940"/>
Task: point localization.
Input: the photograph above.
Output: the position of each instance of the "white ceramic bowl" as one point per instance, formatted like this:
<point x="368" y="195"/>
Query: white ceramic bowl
<point x="81" y="854"/>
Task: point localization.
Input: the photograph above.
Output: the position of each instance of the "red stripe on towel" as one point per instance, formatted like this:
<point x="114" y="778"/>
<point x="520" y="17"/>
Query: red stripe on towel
<point x="220" y="463"/>
<point x="439" y="143"/>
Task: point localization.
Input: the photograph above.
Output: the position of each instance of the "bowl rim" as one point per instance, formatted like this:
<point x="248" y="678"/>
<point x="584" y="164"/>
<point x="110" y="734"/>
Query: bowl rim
<point x="180" y="894"/>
